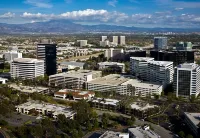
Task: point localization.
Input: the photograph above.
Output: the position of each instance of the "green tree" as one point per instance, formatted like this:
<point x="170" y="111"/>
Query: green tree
<point x="3" y="123"/>
<point x="189" y="136"/>
<point x="181" y="134"/>
<point x="36" y="131"/>
<point x="105" y="120"/>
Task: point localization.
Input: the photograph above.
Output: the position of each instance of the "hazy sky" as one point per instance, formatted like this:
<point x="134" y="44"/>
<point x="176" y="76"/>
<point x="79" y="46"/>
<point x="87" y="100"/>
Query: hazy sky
<point x="144" y="13"/>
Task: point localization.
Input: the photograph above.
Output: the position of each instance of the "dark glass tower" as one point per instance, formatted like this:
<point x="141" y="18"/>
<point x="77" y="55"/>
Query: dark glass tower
<point x="48" y="52"/>
<point x="178" y="57"/>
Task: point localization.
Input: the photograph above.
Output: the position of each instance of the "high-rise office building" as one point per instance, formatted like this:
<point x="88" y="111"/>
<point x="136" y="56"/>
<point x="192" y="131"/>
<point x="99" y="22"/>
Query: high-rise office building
<point x="177" y="57"/>
<point x="160" y="72"/>
<point x="115" y="39"/>
<point x="103" y="38"/>
<point x="122" y="40"/>
<point x="186" y="80"/>
<point x="27" y="68"/>
<point x="139" y="66"/>
<point x="160" y="43"/>
<point x="48" y="52"/>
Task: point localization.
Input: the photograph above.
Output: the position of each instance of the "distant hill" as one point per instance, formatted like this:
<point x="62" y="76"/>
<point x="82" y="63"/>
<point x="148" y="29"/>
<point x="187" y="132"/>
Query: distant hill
<point x="65" y="26"/>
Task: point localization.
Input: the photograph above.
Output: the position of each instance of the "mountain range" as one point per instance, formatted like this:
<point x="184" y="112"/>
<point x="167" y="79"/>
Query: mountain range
<point x="66" y="26"/>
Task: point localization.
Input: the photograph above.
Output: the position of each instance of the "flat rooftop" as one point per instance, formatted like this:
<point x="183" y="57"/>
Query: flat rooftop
<point x="75" y="74"/>
<point x="28" y="89"/>
<point x="106" y="101"/>
<point x="139" y="83"/>
<point x="188" y="66"/>
<point x="112" y="79"/>
<point x="27" y="60"/>
<point x="112" y="134"/>
<point x="72" y="63"/>
<point x="111" y="63"/>
<point x="142" y="58"/>
<point x="161" y="63"/>
<point x="194" y="117"/>
<point x="141" y="106"/>
<point x="139" y="132"/>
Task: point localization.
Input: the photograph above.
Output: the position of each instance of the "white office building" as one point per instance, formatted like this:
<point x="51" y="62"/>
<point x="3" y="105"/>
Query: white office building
<point x="134" y="87"/>
<point x="9" y="56"/>
<point x="115" y="39"/>
<point x="122" y="40"/>
<point x="160" y="72"/>
<point x="27" y="68"/>
<point x="187" y="80"/>
<point x="73" y="79"/>
<point x="103" y="38"/>
<point x="139" y="66"/>
<point x="124" y="85"/>
<point x="103" y="65"/>
<point x="110" y="82"/>
<point x="82" y="42"/>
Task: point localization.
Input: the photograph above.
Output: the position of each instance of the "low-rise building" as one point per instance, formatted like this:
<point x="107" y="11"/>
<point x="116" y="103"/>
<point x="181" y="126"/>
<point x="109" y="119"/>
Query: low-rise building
<point x="45" y="109"/>
<point x="112" y="134"/>
<point x="74" y="79"/>
<point x="103" y="65"/>
<point x="134" y="87"/>
<point x="110" y="82"/>
<point x="124" y="85"/>
<point x="75" y="94"/>
<point x="3" y="80"/>
<point x="142" y="132"/>
<point x="71" y="65"/>
<point x="29" y="89"/>
<point x="193" y="122"/>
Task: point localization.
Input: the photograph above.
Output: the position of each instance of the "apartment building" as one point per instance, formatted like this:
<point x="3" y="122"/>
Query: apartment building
<point x="187" y="80"/>
<point x="27" y="68"/>
<point x="139" y="66"/>
<point x="74" y="79"/>
<point x="115" y="39"/>
<point x="103" y="65"/>
<point x="122" y="40"/>
<point x="160" y="72"/>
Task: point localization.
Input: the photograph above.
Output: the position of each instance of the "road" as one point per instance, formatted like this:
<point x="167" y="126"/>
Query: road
<point x="158" y="129"/>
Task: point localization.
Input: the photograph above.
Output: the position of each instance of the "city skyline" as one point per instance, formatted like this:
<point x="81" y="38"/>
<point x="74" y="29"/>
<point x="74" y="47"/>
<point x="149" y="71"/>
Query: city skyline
<point x="146" y="13"/>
